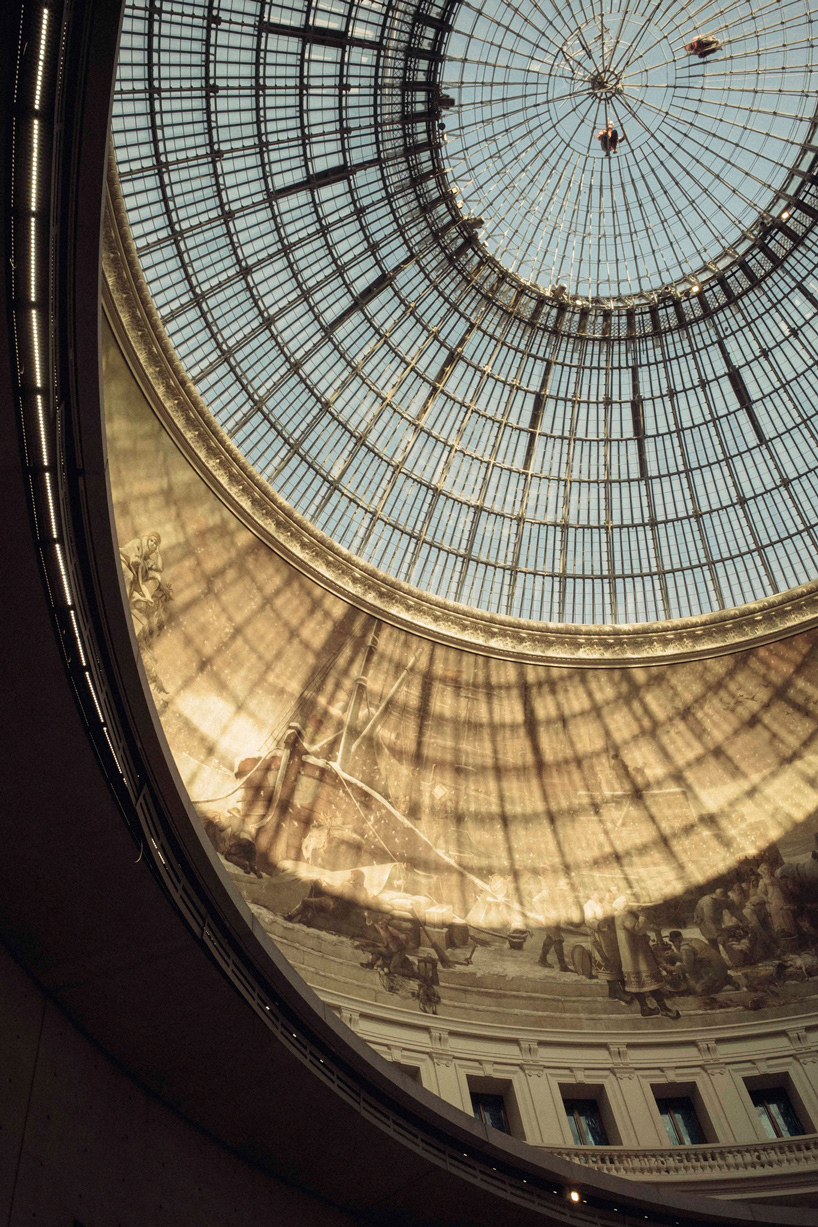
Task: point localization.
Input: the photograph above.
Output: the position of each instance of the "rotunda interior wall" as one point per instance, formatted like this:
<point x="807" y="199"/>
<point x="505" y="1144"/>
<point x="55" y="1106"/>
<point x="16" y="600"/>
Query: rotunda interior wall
<point x="480" y="863"/>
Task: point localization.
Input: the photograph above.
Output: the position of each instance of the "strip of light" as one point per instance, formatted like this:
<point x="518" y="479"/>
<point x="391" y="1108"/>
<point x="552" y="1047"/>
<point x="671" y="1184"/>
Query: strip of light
<point x="42" y="425"/>
<point x="113" y="752"/>
<point x="33" y="241"/>
<point x="35" y="336"/>
<point x="52" y="506"/>
<point x="93" y="693"/>
<point x="38" y="88"/>
<point x="66" y="587"/>
<point x="83" y="658"/>
<point x="35" y="158"/>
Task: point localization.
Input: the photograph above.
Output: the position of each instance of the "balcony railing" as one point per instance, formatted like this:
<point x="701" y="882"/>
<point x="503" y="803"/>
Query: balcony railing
<point x="784" y="1157"/>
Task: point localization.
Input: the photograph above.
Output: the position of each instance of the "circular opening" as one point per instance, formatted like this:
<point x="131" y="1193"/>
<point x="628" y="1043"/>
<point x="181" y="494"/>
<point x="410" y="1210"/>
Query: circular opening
<point x="617" y="150"/>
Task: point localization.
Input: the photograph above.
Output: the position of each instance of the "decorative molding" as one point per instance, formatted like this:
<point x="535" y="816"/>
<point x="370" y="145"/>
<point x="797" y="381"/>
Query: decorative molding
<point x="620" y="1058"/>
<point x="181" y="409"/>
<point x="439" y="1043"/>
<point x="805" y="1046"/>
<point x="783" y="1157"/>
<point x="651" y="1052"/>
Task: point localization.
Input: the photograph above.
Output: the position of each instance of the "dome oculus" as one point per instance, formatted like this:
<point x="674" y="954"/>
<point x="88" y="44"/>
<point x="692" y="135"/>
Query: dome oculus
<point x="712" y="106"/>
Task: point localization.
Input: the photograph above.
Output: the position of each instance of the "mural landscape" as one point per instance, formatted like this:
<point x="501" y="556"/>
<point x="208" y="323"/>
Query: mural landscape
<point x="633" y="843"/>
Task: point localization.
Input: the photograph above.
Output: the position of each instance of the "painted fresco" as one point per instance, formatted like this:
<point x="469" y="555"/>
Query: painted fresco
<point x="414" y="822"/>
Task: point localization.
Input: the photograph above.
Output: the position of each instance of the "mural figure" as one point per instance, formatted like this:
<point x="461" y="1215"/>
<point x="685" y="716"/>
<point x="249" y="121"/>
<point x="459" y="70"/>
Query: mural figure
<point x="699" y="969"/>
<point x="710" y="913"/>
<point x="600" y="922"/>
<point x="148" y="596"/>
<point x="494" y="910"/>
<point x="148" y="593"/>
<point x="642" y="975"/>
<point x="553" y="907"/>
<point x="780" y="912"/>
<point x="799" y="880"/>
<point x="339" y="907"/>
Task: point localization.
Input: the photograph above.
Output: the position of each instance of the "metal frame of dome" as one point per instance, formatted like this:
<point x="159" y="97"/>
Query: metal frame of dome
<point x="440" y="419"/>
<point x="533" y="83"/>
<point x="135" y="321"/>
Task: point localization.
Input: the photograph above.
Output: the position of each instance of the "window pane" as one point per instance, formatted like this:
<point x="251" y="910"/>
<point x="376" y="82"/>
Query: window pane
<point x="585" y="1122"/>
<point x="573" y="1125"/>
<point x="680" y="1121"/>
<point x="766" y="1121"/>
<point x="669" y="1123"/>
<point x="784" y="1116"/>
<point x="491" y="1110"/>
<point x="776" y="1113"/>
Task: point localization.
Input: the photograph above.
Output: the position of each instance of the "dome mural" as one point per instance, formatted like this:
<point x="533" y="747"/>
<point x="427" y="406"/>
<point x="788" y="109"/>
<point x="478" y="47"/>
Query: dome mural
<point x="414" y="822"/>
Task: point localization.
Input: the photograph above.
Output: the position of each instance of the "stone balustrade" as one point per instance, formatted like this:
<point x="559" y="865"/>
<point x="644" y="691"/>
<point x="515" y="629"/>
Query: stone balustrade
<point x="784" y="1157"/>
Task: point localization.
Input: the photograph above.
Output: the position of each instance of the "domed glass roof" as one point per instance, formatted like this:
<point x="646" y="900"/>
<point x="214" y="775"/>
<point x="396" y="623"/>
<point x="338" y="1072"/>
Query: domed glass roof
<point x="458" y="331"/>
<point x="704" y="141"/>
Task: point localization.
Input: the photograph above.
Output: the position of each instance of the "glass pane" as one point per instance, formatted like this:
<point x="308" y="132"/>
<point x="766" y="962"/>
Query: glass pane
<point x="585" y="1122"/>
<point x="776" y="1113"/>
<point x="670" y="1128"/>
<point x="681" y="1122"/>
<point x="594" y="1129"/>
<point x="766" y="1122"/>
<point x="490" y="1109"/>
<point x="783" y="1114"/>
<point x="573" y="1125"/>
<point x="688" y="1125"/>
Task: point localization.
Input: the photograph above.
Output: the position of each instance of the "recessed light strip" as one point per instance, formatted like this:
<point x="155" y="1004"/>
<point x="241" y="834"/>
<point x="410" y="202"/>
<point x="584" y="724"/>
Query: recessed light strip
<point x="33" y="323"/>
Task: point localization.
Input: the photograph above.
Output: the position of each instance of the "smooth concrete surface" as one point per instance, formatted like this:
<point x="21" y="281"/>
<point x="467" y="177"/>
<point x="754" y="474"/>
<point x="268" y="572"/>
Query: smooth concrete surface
<point x="81" y="1143"/>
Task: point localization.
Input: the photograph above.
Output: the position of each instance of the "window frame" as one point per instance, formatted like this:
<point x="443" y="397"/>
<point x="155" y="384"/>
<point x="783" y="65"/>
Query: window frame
<point x="779" y="1080"/>
<point x="482" y="1084"/>
<point x="478" y="1109"/>
<point x="579" y="1123"/>
<point x="667" y="1105"/>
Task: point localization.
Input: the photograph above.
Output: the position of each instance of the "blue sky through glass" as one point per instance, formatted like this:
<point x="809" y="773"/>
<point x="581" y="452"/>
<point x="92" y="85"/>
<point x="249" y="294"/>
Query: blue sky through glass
<point x="708" y="143"/>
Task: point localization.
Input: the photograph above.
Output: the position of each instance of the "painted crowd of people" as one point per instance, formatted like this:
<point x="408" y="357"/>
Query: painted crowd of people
<point x="756" y="919"/>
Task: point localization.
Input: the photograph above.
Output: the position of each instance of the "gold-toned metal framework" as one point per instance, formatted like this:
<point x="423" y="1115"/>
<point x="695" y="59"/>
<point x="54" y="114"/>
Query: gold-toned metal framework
<point x="175" y="399"/>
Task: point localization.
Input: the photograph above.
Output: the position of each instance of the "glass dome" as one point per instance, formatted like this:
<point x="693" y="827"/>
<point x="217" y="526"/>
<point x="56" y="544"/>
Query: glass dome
<point x="703" y="140"/>
<point x="471" y="344"/>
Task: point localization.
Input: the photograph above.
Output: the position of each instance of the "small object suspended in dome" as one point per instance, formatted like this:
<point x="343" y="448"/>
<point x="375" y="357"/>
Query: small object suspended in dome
<point x="609" y="139"/>
<point x="440" y="101"/>
<point x="703" y="46"/>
